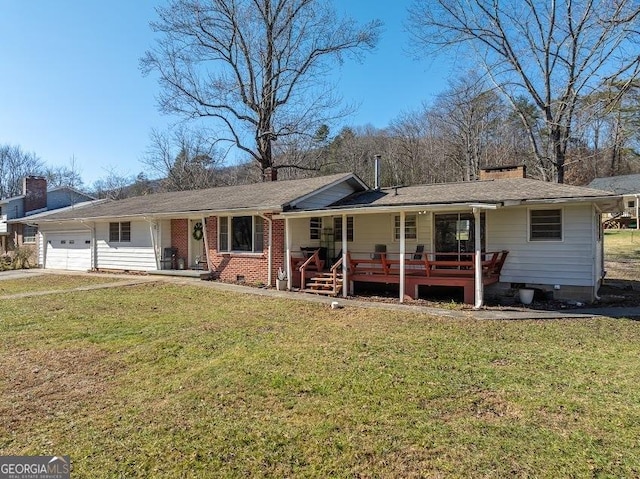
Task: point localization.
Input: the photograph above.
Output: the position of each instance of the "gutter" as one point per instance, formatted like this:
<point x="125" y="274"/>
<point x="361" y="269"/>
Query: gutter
<point x="175" y="214"/>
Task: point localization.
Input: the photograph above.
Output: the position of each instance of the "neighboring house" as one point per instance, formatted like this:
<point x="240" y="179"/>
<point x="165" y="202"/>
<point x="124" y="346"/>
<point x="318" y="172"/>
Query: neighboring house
<point x="15" y="227"/>
<point x="552" y="233"/>
<point x="629" y="187"/>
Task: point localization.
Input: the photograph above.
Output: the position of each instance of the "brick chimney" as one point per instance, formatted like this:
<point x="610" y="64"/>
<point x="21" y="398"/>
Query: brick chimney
<point x="270" y="174"/>
<point x="501" y="172"/>
<point x="34" y="189"/>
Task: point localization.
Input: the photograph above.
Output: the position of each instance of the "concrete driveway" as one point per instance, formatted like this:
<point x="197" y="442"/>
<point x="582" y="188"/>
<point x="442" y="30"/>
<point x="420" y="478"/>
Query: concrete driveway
<point x="20" y="273"/>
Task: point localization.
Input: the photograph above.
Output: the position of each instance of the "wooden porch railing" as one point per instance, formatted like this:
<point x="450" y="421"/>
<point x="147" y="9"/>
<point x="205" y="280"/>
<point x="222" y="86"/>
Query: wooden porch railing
<point x="313" y="260"/>
<point x="334" y="275"/>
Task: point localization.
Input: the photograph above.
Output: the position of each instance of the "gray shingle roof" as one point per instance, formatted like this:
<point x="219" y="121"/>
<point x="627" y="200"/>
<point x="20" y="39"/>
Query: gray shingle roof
<point x="274" y="196"/>
<point x="622" y="185"/>
<point x="488" y="191"/>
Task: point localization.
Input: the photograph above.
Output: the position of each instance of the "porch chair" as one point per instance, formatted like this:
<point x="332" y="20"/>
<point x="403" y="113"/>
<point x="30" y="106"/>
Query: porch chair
<point x="419" y="251"/>
<point x="169" y="258"/>
<point x="379" y="248"/>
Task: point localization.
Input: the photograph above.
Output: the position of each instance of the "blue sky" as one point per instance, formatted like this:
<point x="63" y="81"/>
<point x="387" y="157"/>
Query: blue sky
<point x="70" y="86"/>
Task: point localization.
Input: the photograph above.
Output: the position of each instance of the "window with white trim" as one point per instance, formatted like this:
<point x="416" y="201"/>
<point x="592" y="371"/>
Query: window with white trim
<point x="29" y="234"/>
<point x="241" y="233"/>
<point x="315" y="228"/>
<point x="337" y="228"/>
<point x="545" y="225"/>
<point x="410" y="227"/>
<point x="120" y="232"/>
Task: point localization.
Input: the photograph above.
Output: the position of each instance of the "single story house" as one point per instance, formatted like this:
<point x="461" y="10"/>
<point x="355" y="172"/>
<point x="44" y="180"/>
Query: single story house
<point x="15" y="212"/>
<point x="503" y="231"/>
<point x="628" y="186"/>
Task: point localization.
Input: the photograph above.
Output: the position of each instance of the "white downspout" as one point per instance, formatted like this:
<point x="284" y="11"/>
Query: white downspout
<point x="479" y="286"/>
<point x="345" y="273"/>
<point x="288" y="256"/>
<point x="637" y="212"/>
<point x="269" y="249"/>
<point x="403" y="247"/>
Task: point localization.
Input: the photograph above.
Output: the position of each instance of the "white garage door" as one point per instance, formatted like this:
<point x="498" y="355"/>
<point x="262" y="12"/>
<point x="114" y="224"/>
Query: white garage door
<point x="70" y="251"/>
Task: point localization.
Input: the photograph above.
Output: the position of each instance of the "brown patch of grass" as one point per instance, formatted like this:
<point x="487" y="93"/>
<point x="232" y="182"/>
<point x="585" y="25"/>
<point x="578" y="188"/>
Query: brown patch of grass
<point x="50" y="282"/>
<point x="41" y="384"/>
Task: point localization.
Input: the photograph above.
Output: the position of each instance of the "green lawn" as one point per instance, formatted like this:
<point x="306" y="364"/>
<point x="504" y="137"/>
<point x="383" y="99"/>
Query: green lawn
<point x="171" y="381"/>
<point x="622" y="245"/>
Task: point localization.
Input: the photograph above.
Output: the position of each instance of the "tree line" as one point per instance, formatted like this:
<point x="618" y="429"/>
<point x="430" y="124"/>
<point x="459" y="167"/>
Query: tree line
<point x="554" y="85"/>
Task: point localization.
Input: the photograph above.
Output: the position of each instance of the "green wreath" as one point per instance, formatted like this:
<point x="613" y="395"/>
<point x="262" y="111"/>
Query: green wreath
<point x="197" y="232"/>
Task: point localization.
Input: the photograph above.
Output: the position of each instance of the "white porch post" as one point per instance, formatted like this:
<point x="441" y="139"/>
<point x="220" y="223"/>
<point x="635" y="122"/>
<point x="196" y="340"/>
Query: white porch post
<point x="345" y="279"/>
<point x="637" y="202"/>
<point x="153" y="227"/>
<point x="287" y="231"/>
<point x="403" y="248"/>
<point x="479" y="286"/>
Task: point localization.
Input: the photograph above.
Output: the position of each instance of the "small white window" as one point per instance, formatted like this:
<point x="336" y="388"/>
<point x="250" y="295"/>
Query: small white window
<point x="410" y="227"/>
<point x="545" y="225"/>
<point x="315" y="228"/>
<point x="120" y="232"/>
<point x="29" y="234"/>
<point x="337" y="229"/>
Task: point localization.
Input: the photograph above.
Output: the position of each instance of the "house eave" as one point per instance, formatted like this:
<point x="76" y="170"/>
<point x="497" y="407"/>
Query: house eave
<point x="172" y="215"/>
<point x="360" y="210"/>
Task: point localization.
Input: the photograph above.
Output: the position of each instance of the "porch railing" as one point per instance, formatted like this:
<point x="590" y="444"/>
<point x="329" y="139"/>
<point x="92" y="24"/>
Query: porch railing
<point x="312" y="261"/>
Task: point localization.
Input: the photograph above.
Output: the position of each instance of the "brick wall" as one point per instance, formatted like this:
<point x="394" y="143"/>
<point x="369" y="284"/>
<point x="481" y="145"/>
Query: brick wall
<point x="180" y="237"/>
<point x="35" y="193"/>
<point x="232" y="267"/>
<point x="248" y="267"/>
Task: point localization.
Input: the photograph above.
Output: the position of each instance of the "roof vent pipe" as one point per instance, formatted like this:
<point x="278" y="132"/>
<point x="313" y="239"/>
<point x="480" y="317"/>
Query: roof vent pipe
<point x="376" y="172"/>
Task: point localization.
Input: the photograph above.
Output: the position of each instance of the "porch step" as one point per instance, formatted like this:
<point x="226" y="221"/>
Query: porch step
<point x="323" y="284"/>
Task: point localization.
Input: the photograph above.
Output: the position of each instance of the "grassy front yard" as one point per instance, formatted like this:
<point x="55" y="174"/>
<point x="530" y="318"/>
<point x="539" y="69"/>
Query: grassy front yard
<point x="174" y="381"/>
<point x="622" y="245"/>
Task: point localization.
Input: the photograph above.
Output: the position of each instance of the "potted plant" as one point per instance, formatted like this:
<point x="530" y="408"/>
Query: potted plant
<point x="281" y="280"/>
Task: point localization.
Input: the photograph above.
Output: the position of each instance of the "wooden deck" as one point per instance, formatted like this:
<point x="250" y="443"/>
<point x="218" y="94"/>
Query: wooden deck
<point x="430" y="269"/>
<point x="424" y="269"/>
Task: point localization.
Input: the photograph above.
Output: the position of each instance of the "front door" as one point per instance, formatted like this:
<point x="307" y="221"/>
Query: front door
<point x="455" y="233"/>
<point x="196" y="245"/>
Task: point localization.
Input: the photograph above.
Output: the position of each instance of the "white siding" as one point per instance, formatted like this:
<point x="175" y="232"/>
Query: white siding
<point x="566" y="262"/>
<point x="136" y="255"/>
<point x="3" y="224"/>
<point x="326" y="197"/>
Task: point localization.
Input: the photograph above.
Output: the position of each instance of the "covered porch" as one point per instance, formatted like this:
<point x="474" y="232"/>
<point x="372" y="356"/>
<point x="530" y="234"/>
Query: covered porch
<point x="411" y="247"/>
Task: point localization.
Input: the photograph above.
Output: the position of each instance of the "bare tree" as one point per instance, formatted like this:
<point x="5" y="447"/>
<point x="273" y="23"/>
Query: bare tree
<point x="15" y="164"/>
<point x="468" y="114"/>
<point x="183" y="159"/>
<point x="255" y="66"/>
<point x="554" y="52"/>
<point x="64" y="175"/>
